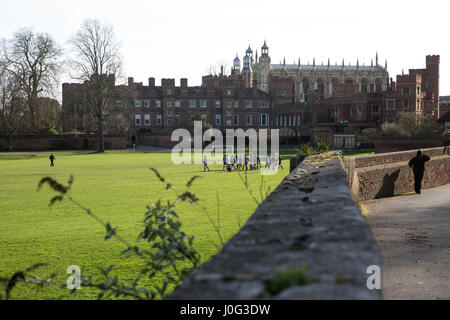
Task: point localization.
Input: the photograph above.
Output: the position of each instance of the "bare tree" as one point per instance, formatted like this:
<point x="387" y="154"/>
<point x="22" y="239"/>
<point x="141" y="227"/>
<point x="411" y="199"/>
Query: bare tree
<point x="34" y="60"/>
<point x="13" y="115"/>
<point x="96" y="61"/>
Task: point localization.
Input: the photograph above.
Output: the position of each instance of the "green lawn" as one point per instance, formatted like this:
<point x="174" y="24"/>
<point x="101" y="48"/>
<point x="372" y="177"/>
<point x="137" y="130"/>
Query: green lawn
<point x="116" y="186"/>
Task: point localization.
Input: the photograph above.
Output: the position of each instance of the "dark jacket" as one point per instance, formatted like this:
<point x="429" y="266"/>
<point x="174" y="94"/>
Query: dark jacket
<point x="418" y="162"/>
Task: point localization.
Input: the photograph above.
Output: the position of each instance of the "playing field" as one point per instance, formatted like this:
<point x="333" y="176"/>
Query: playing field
<point x="116" y="186"/>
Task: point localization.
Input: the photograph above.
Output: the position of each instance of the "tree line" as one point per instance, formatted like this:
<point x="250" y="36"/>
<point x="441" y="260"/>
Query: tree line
<point x="30" y="66"/>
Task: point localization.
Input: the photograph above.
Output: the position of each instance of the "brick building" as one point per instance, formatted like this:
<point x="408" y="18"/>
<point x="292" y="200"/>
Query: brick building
<point x="240" y="100"/>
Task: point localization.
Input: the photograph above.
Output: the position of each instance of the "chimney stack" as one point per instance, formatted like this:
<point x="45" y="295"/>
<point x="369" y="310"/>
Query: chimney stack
<point x="183" y="83"/>
<point x="130" y="81"/>
<point x="151" y="82"/>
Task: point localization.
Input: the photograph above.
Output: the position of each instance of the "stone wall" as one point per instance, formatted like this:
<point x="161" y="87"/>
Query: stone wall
<point x="154" y="140"/>
<point x="310" y="219"/>
<point x="388" y="174"/>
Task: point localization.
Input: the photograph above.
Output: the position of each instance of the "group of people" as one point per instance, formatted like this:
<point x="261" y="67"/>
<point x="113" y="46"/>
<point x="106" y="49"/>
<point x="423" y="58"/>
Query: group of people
<point x="247" y="162"/>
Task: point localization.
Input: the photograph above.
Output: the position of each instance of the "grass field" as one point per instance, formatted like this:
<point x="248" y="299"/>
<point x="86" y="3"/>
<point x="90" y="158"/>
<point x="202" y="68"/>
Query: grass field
<point x="116" y="186"/>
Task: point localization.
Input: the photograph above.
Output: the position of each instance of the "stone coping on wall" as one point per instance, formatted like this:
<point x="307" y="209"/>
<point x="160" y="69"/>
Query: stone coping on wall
<point x="308" y="220"/>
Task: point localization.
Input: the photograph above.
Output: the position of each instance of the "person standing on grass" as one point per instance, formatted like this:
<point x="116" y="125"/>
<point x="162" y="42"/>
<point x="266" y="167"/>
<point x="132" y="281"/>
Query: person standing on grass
<point x="279" y="162"/>
<point x="418" y="165"/>
<point x="52" y="157"/>
<point x="225" y="162"/>
<point x="205" y="164"/>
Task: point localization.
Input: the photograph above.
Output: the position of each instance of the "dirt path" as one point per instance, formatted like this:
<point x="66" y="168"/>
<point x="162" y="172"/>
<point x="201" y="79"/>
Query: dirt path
<point x="413" y="234"/>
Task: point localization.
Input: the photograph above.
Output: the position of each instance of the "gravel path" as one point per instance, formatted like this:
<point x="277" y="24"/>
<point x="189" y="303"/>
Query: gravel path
<point x="413" y="234"/>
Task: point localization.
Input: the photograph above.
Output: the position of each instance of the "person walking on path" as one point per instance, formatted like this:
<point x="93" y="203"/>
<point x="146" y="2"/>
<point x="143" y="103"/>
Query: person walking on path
<point x="418" y="165"/>
<point x="52" y="157"/>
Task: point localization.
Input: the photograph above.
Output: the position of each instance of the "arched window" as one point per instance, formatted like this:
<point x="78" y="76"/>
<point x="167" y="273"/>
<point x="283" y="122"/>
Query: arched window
<point x="305" y="86"/>
<point x="321" y="88"/>
<point x="364" y="85"/>
<point x="348" y="81"/>
<point x="378" y="86"/>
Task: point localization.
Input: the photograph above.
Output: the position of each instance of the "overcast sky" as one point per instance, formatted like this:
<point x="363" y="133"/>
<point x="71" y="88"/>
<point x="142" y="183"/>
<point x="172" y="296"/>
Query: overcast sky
<point x="175" y="39"/>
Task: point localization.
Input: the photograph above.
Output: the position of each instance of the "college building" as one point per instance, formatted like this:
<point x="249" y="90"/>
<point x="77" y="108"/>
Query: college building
<point x="307" y="101"/>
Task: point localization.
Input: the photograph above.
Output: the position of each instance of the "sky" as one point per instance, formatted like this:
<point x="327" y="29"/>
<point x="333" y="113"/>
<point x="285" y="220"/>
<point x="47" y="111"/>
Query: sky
<point x="176" y="39"/>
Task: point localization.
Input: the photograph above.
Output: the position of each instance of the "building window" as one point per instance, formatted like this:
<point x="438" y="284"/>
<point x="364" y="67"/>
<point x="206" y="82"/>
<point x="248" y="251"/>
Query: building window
<point x="158" y="103"/>
<point x="177" y="104"/>
<point x="169" y="122"/>
<point x="229" y="92"/>
<point x="137" y="119"/>
<point x="228" y="114"/>
<point x="228" y="123"/>
<point x="276" y="121"/>
<point x="159" y="119"/>
<point x="202" y="103"/>
<point x="147" y="119"/>
<point x="203" y="117"/>
<point x="137" y="103"/>
<point x="217" y="103"/>
<point x="228" y="104"/>
<point x="192" y="103"/>
<point x="236" y="103"/>
<point x="169" y="104"/>
<point x="249" y="120"/>
<point x="390" y="104"/>
<point x="169" y="91"/>
<point x="406" y="104"/>
<point x="406" y="91"/>
<point x="418" y="90"/>
<point x="218" y="119"/>
<point x="169" y="113"/>
<point x="248" y="104"/>
<point x="290" y="121"/>
<point x="283" y="92"/>
<point x="118" y="103"/>
<point x="375" y="109"/>
<point x="360" y="110"/>
<point x="264" y="120"/>
<point x="177" y="119"/>
<point x="419" y="107"/>
<point x="236" y="120"/>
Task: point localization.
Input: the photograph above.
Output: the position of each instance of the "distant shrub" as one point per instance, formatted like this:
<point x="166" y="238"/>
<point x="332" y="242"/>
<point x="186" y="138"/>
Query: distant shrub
<point x="322" y="146"/>
<point x="446" y="134"/>
<point x="49" y="130"/>
<point x="305" y="149"/>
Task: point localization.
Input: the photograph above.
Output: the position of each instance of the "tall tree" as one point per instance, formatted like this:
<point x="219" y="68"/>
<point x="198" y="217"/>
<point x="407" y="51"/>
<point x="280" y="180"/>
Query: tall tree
<point x="97" y="61"/>
<point x="34" y="60"/>
<point x="13" y="116"/>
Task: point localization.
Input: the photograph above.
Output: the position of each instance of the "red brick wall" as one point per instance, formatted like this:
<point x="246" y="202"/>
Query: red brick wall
<point x="73" y="142"/>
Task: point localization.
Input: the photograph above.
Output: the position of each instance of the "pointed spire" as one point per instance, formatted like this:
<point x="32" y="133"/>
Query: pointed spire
<point x="385" y="64"/>
<point x="403" y="72"/>
<point x="376" y="59"/>
<point x="357" y="64"/>
<point x="371" y="63"/>
<point x="314" y="62"/>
